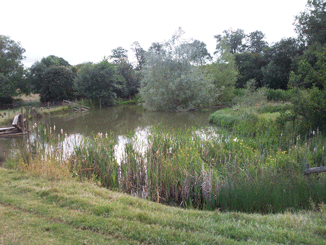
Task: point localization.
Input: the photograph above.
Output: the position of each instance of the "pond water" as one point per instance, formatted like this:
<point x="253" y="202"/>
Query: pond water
<point x="119" y="120"/>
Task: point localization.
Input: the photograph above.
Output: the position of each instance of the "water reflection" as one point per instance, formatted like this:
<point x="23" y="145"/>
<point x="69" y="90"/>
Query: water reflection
<point x="120" y="121"/>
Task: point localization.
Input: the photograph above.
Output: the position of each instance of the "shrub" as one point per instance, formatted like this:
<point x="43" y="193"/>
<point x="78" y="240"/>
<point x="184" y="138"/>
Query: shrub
<point x="278" y="95"/>
<point x="57" y="84"/>
<point x="309" y="106"/>
<point x="99" y="83"/>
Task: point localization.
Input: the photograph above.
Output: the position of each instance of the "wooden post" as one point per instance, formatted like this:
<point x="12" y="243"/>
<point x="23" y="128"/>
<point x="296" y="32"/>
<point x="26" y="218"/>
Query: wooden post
<point x="48" y="105"/>
<point x="8" y="113"/>
<point x="100" y="105"/>
<point x="22" y="113"/>
<point x="27" y="118"/>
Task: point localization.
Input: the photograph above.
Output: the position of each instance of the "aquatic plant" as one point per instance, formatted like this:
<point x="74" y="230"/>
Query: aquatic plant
<point x="210" y="168"/>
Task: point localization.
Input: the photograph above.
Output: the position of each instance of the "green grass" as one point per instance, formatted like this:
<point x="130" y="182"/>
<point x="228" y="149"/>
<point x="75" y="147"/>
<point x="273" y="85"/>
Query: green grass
<point x="39" y="210"/>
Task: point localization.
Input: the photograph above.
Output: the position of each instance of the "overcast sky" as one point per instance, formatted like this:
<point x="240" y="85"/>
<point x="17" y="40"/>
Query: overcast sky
<point x="82" y="31"/>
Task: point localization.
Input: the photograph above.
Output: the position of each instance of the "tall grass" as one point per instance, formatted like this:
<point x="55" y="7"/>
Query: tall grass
<point x="250" y="170"/>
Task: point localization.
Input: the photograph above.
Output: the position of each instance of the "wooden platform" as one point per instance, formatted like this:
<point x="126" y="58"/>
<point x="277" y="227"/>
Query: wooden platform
<point x="18" y="127"/>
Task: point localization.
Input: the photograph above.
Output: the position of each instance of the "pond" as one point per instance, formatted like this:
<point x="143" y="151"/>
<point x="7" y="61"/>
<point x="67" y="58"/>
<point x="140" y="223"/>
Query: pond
<point x="119" y="120"/>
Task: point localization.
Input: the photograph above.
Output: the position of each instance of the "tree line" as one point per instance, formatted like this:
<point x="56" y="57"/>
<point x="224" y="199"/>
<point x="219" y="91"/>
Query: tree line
<point x="178" y="74"/>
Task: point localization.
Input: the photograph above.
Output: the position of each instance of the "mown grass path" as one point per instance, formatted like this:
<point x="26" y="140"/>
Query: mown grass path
<point x="38" y="210"/>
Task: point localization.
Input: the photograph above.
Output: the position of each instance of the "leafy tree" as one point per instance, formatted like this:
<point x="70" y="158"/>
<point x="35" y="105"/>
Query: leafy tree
<point x="235" y="40"/>
<point x="119" y="54"/>
<point x="256" y="42"/>
<point x="37" y="70"/>
<point x="99" y="82"/>
<point x="280" y="56"/>
<point x="250" y="67"/>
<point x="311" y="24"/>
<point x="11" y="68"/>
<point x="53" y="60"/>
<point x="170" y="81"/>
<point x="197" y="52"/>
<point x="131" y="77"/>
<point x="126" y="71"/>
<point x="157" y="48"/>
<point x="140" y="54"/>
<point x="57" y="84"/>
<point x="224" y="72"/>
<point x="308" y="75"/>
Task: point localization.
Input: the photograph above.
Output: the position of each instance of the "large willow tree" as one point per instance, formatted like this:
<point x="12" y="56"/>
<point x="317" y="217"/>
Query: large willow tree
<point x="170" y="80"/>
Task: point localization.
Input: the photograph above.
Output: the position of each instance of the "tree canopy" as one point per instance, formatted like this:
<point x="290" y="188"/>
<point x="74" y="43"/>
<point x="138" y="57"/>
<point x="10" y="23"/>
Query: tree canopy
<point x="224" y="72"/>
<point x="99" y="82"/>
<point x="11" y="68"/>
<point x="311" y="23"/>
<point x="57" y="84"/>
<point x="171" y="82"/>
<point x="37" y="70"/>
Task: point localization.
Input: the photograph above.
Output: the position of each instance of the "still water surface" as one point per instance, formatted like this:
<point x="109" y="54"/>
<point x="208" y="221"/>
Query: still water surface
<point x="119" y="120"/>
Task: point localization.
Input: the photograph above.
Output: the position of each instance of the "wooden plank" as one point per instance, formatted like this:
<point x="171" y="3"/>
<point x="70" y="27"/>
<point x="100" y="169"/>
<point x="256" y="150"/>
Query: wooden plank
<point x="6" y="128"/>
<point x="76" y="105"/>
<point x="314" y="170"/>
<point x="18" y="122"/>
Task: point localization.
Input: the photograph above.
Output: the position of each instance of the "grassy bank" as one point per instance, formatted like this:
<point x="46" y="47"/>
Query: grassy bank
<point x="36" y="110"/>
<point x="65" y="211"/>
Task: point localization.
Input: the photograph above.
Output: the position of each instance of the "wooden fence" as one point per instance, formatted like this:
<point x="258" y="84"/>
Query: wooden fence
<point x="76" y="106"/>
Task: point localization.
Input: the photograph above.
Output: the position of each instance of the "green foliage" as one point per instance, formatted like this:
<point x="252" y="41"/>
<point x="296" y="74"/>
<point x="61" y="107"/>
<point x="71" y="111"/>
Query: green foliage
<point x="100" y="82"/>
<point x="250" y="96"/>
<point x="250" y="67"/>
<point x="224" y="73"/>
<point x="310" y="24"/>
<point x="234" y="39"/>
<point x="170" y="82"/>
<point x="240" y="42"/>
<point x="197" y="52"/>
<point x="274" y="107"/>
<point x="280" y="57"/>
<point x="35" y="74"/>
<point x="255" y="42"/>
<point x="131" y="76"/>
<point x="309" y="108"/>
<point x="278" y="95"/>
<point x="57" y="84"/>
<point x="310" y="73"/>
<point x="119" y="54"/>
<point x="11" y="69"/>
<point x="140" y="54"/>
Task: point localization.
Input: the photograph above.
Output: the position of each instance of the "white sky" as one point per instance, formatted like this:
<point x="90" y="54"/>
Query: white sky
<point x="82" y="31"/>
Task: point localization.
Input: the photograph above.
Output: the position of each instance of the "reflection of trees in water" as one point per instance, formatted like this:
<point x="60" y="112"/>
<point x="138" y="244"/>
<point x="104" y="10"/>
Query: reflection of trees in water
<point x="6" y="146"/>
<point x="119" y="120"/>
<point x="177" y="120"/>
<point x="124" y="119"/>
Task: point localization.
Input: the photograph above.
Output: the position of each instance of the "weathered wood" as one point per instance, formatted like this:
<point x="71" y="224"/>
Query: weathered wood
<point x="8" y="130"/>
<point x="23" y="123"/>
<point x="18" y="122"/>
<point x="76" y="106"/>
<point x="314" y="170"/>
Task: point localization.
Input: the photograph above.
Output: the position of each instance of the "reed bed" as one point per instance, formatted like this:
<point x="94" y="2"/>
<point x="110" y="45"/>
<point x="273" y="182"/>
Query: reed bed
<point x="250" y="170"/>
